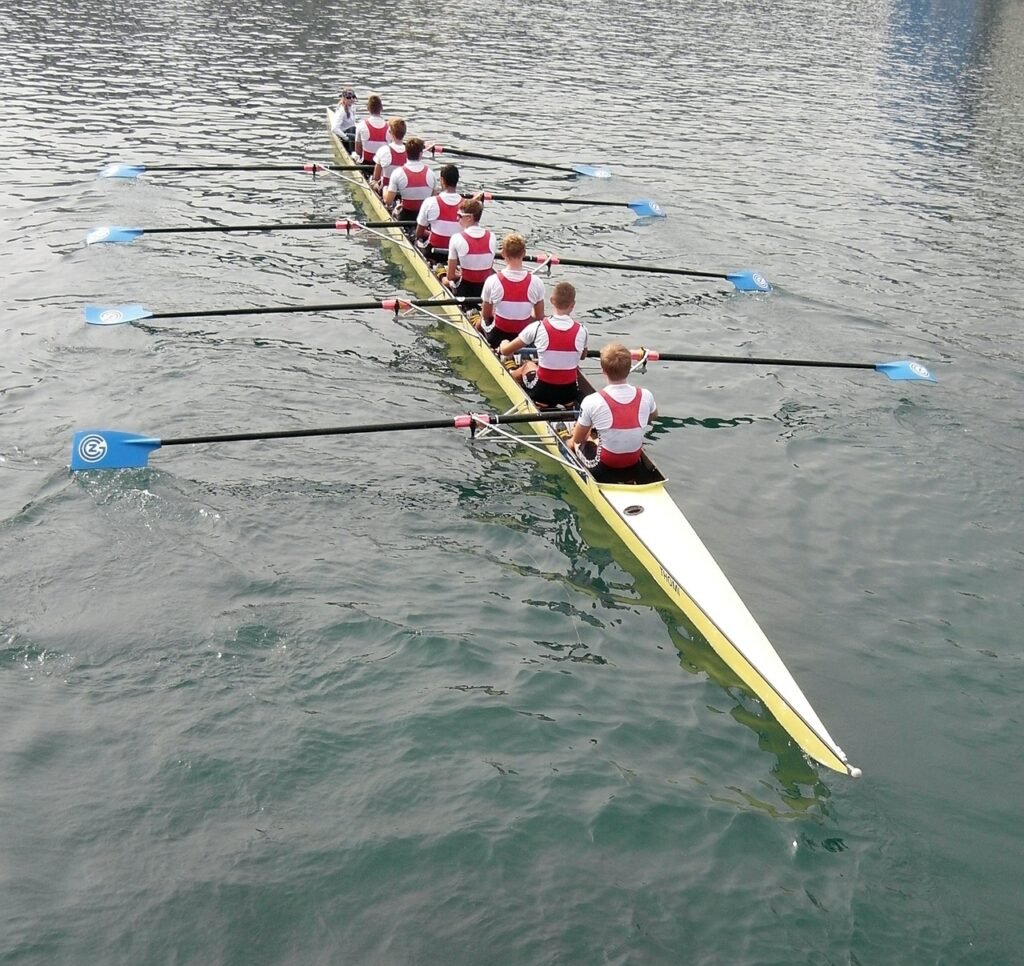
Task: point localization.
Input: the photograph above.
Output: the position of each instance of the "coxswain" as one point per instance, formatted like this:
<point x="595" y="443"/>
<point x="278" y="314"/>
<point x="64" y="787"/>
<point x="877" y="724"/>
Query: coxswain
<point x="620" y="414"/>
<point x="345" y="119"/>
<point x="392" y="155"/>
<point x="470" y="252"/>
<point x="412" y="184"/>
<point x="371" y="133"/>
<point x="438" y="219"/>
<point x="553" y="380"/>
<point x="512" y="297"/>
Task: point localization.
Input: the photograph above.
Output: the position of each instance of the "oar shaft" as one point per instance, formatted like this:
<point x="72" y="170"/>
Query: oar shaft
<point x="268" y="310"/>
<point x="653" y="356"/>
<point x="323" y="307"/>
<point x="622" y="266"/>
<point x="498" y="157"/>
<point x="313" y="168"/>
<point x="235" y="167"/>
<point x="554" y="201"/>
<point x="296" y="226"/>
<point x="481" y="419"/>
<point x="307" y="226"/>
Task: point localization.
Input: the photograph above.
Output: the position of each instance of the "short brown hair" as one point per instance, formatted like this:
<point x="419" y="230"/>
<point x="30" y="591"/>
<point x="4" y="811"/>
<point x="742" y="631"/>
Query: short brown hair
<point x="414" y="148"/>
<point x="473" y="208"/>
<point x="616" y="360"/>
<point x="450" y="175"/>
<point x="563" y="295"/>
<point x="374" y="104"/>
<point x="514" y="245"/>
<point x="397" y="127"/>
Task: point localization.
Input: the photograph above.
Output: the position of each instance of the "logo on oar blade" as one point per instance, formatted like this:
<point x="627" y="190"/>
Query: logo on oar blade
<point x="92" y="448"/>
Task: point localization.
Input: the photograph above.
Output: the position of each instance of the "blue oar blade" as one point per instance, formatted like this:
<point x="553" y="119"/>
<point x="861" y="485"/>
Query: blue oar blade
<point x="115" y="315"/>
<point x="905" y="370"/>
<point x="113" y="234"/>
<point x="592" y="170"/>
<point x="107" y="449"/>
<point x="647" y="208"/>
<point x="117" y="170"/>
<point x="749" y="281"/>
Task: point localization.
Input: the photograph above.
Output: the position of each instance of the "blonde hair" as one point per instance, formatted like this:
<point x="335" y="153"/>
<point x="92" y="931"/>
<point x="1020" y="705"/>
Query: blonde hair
<point x="513" y="245"/>
<point x="397" y="128"/>
<point x="563" y="295"/>
<point x="616" y="360"/>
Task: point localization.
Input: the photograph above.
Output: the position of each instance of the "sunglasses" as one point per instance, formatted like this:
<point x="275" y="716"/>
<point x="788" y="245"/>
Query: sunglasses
<point x="349" y="96"/>
<point x="465" y="214"/>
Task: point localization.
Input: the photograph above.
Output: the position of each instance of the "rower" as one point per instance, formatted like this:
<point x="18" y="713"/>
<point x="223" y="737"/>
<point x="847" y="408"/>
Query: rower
<point x="619" y="413"/>
<point x="470" y="252"/>
<point x="438" y="218"/>
<point x="345" y="118"/>
<point x="371" y="133"/>
<point x="512" y="297"/>
<point x="392" y="155"/>
<point x="553" y="380"/>
<point x="413" y="182"/>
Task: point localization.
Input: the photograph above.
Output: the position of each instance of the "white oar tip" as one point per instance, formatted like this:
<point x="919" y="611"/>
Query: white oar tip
<point x="855" y="772"/>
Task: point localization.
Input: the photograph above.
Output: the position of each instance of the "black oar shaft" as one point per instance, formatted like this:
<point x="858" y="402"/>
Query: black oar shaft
<point x="297" y="226"/>
<point x="308" y="226"/>
<point x="266" y="310"/>
<point x="556" y="201"/>
<point x="487" y="418"/>
<point x="225" y="167"/>
<point x="500" y="157"/>
<point x="313" y="168"/>
<point x="624" y="266"/>
<point x="689" y="357"/>
<point x="324" y="307"/>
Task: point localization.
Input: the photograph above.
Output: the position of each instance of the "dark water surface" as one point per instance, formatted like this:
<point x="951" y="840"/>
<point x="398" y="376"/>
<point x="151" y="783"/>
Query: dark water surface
<point x="403" y="700"/>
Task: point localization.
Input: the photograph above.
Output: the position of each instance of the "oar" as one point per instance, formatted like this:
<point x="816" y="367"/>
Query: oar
<point x="905" y="370"/>
<point x="120" y="314"/>
<point x="591" y="170"/>
<point x="745" y="281"/>
<point x="644" y="207"/>
<point x="118" y="169"/>
<point x="121" y="234"/>
<point x="109" y="449"/>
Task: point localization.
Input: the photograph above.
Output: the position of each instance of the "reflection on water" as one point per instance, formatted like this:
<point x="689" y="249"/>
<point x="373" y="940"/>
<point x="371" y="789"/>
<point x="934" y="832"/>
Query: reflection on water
<point x="459" y="618"/>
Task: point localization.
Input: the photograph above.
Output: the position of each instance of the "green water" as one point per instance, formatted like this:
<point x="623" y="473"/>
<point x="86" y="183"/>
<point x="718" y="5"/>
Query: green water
<point x="405" y="700"/>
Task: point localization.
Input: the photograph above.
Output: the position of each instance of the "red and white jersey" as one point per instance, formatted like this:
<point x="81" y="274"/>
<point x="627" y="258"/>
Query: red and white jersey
<point x="414" y="182"/>
<point x="441" y="215"/>
<point x="513" y="293"/>
<point x="389" y="157"/>
<point x="372" y="135"/>
<point x="620" y="413"/>
<point x="560" y="342"/>
<point x="474" y="250"/>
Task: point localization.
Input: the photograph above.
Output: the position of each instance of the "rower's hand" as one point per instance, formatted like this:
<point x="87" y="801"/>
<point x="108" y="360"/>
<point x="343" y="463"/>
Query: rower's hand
<point x="503" y="347"/>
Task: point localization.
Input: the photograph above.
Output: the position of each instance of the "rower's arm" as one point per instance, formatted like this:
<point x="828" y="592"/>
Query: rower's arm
<point x="453" y="269"/>
<point x="580" y="432"/>
<point x="487" y="310"/>
<point x="538" y="310"/>
<point x="511" y="348"/>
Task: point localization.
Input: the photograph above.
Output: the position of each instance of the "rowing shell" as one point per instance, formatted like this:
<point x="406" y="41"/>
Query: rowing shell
<point x="649" y="524"/>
